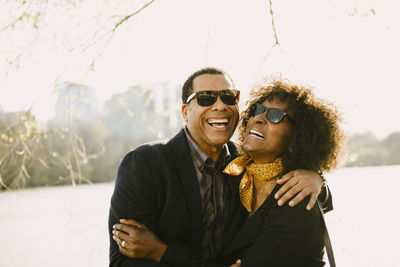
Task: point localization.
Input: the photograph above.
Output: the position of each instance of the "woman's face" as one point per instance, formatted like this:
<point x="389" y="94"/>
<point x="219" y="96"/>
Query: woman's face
<point x="266" y="141"/>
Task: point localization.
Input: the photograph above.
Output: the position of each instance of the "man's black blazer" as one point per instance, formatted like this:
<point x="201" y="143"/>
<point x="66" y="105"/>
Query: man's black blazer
<point x="157" y="186"/>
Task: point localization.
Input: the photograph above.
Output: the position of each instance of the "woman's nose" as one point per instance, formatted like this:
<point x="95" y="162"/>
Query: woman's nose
<point x="261" y="118"/>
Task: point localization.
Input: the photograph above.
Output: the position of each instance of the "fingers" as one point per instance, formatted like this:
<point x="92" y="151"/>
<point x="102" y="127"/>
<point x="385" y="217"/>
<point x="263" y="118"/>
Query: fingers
<point x="302" y="183"/>
<point x="311" y="202"/>
<point x="237" y="263"/>
<point x="285" y="178"/>
<point x="119" y="242"/>
<point x="125" y="251"/>
<point x="288" y="185"/>
<point x="124" y="228"/>
<point x="300" y="196"/>
<point x="121" y="235"/>
<point x="289" y="195"/>
<point x="133" y="223"/>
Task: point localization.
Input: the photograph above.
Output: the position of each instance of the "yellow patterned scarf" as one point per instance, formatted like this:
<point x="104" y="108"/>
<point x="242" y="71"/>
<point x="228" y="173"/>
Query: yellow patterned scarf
<point x="260" y="171"/>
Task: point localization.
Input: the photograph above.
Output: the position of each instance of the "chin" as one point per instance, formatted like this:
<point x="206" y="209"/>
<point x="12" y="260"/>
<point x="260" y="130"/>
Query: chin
<point x="220" y="140"/>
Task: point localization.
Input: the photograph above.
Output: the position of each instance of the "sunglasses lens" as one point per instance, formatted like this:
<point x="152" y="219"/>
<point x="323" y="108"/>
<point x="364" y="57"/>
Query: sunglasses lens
<point x="275" y="115"/>
<point x="256" y="109"/>
<point x="206" y="98"/>
<point x="229" y="97"/>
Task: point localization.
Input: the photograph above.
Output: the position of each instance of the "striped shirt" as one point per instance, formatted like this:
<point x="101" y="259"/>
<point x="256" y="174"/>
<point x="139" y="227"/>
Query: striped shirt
<point x="211" y="183"/>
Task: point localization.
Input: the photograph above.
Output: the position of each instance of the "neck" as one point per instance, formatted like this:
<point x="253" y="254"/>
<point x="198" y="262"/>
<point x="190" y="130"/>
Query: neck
<point x="214" y="152"/>
<point x="263" y="159"/>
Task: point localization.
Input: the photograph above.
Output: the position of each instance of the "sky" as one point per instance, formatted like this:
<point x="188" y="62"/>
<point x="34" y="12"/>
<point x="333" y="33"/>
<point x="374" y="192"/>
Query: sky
<point x="346" y="50"/>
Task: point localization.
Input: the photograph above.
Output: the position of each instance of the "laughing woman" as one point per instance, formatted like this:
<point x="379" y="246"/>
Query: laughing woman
<point x="284" y="128"/>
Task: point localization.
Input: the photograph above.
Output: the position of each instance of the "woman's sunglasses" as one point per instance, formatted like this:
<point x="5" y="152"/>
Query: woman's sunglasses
<point x="274" y="115"/>
<point x="208" y="98"/>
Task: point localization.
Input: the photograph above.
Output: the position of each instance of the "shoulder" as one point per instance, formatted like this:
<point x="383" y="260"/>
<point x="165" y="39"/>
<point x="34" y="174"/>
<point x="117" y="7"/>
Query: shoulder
<point x="156" y="149"/>
<point x="145" y="150"/>
<point x="297" y="218"/>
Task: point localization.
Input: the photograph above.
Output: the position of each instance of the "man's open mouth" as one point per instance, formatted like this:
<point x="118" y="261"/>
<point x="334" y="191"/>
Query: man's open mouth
<point x="218" y="123"/>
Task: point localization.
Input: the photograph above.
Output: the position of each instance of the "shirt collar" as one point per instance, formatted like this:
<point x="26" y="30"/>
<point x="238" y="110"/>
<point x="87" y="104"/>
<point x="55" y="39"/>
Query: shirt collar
<point x="203" y="157"/>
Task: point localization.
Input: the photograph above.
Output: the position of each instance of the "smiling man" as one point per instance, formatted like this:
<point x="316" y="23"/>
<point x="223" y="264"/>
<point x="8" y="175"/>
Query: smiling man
<point x="177" y="206"/>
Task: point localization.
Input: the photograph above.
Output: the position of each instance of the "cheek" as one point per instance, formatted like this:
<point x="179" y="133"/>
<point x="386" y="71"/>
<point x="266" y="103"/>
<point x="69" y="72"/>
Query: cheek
<point x="286" y="138"/>
<point x="282" y="137"/>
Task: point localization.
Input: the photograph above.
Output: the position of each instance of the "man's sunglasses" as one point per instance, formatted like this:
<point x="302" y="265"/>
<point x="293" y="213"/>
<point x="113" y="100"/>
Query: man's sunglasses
<point x="274" y="115"/>
<point x="208" y="98"/>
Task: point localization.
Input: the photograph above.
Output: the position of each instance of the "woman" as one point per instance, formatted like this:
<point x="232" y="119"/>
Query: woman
<point x="284" y="128"/>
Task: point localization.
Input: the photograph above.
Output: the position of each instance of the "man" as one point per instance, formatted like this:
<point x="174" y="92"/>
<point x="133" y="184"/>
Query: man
<point x="177" y="190"/>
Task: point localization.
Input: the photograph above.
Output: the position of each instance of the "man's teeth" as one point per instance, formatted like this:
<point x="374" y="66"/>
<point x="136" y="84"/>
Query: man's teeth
<point x="219" y="121"/>
<point x="257" y="134"/>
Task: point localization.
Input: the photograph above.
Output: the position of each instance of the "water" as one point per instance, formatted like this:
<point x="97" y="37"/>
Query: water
<point x="364" y="225"/>
<point x="67" y="226"/>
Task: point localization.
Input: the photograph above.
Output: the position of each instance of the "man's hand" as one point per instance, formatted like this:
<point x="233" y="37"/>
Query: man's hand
<point x="299" y="183"/>
<point x="135" y="240"/>
<point x="236" y="264"/>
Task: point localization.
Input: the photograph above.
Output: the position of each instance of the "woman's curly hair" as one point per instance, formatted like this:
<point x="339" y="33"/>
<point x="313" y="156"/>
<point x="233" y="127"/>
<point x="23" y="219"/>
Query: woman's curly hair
<point x="316" y="137"/>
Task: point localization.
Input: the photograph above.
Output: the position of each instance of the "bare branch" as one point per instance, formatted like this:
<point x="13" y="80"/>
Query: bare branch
<point x="113" y="30"/>
<point x="275" y="37"/>
<point x="273" y="23"/>
<point x="129" y="16"/>
<point x="110" y="33"/>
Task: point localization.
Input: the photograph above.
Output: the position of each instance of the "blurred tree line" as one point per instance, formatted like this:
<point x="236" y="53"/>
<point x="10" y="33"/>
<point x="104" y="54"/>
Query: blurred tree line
<point x="82" y="144"/>
<point x="367" y="150"/>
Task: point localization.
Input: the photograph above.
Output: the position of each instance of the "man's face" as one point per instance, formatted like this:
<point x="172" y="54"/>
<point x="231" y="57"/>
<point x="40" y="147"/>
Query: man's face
<point x="210" y="126"/>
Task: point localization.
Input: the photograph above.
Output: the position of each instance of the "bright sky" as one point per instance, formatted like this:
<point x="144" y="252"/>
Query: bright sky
<point x="347" y="50"/>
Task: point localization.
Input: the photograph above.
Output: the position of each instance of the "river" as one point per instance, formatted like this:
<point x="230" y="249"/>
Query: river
<point x="67" y="226"/>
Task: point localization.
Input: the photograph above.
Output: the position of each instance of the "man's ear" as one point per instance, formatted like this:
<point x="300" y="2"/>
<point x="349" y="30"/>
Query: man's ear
<point x="184" y="112"/>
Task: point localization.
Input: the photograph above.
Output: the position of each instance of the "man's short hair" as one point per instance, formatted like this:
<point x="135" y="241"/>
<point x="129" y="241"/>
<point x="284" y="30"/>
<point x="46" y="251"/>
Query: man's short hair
<point x="187" y="88"/>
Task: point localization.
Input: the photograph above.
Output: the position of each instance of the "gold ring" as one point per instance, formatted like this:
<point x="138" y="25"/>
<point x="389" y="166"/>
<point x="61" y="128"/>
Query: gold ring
<point x="123" y="243"/>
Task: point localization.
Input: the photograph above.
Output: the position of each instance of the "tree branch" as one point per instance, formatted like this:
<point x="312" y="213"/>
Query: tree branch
<point x="129" y="16"/>
<point x="273" y="23"/>
<point x="110" y="33"/>
<point x="276" y="43"/>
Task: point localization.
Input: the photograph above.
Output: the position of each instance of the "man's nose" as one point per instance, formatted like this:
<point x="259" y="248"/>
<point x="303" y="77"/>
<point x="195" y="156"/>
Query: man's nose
<point x="219" y="105"/>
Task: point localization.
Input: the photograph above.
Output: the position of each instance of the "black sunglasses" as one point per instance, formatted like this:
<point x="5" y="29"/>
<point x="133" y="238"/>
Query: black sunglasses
<point x="274" y="115"/>
<point x="208" y="98"/>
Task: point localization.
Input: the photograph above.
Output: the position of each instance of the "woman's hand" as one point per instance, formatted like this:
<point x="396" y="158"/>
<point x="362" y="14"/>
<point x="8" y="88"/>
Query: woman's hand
<point x="236" y="264"/>
<point x="299" y="184"/>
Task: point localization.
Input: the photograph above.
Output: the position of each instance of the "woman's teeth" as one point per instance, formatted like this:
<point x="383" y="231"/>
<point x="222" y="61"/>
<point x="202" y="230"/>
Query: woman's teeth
<point x="257" y="134"/>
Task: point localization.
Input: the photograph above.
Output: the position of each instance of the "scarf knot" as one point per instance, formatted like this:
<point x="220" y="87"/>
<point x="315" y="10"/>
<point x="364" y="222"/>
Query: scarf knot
<point x="261" y="171"/>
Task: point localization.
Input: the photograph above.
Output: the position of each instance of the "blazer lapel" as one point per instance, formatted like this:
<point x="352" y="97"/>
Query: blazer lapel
<point x="253" y="226"/>
<point x="237" y="214"/>
<point x="187" y="175"/>
<point x="247" y="234"/>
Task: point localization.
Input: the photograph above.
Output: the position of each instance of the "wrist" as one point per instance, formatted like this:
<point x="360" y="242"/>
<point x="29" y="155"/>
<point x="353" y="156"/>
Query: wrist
<point x="159" y="252"/>
<point x="324" y="182"/>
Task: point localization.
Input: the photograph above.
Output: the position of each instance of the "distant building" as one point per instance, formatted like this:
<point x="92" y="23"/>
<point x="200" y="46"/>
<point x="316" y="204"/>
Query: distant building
<point x="76" y="105"/>
<point x="144" y="112"/>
